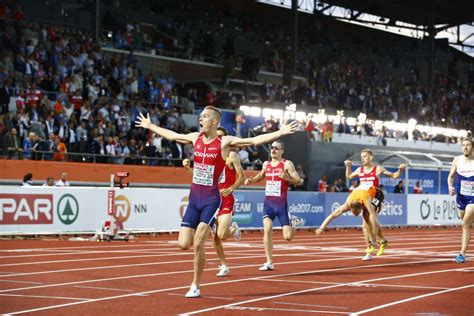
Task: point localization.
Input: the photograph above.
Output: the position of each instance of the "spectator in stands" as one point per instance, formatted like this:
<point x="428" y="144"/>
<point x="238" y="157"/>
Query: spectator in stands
<point x="62" y="182"/>
<point x="27" y="180"/>
<point x="323" y="184"/>
<point x="399" y="187"/>
<point x="309" y="127"/>
<point x="244" y="156"/>
<point x="302" y="174"/>
<point x="49" y="182"/>
<point x="341" y="186"/>
<point x="355" y="183"/>
<point x="60" y="149"/>
<point x="343" y="127"/>
<point x="417" y="189"/>
<point x="333" y="186"/>
<point x="12" y="144"/>
<point x="29" y="145"/>
<point x="328" y="130"/>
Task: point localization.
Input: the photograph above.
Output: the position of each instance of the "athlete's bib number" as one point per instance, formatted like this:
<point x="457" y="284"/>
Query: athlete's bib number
<point x="467" y="188"/>
<point x="203" y="174"/>
<point x="365" y="185"/>
<point x="222" y="176"/>
<point x="273" y="188"/>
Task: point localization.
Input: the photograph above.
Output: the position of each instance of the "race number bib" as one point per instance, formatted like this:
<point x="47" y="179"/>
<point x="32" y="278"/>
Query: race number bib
<point x="222" y="176"/>
<point x="467" y="188"/>
<point x="203" y="174"/>
<point x="273" y="188"/>
<point x="365" y="185"/>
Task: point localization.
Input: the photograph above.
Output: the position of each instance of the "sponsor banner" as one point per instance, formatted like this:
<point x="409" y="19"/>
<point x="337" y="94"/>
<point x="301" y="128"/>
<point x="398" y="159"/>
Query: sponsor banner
<point x="394" y="210"/>
<point x="70" y="209"/>
<point x="429" y="180"/>
<point x="431" y="209"/>
<point x="308" y="207"/>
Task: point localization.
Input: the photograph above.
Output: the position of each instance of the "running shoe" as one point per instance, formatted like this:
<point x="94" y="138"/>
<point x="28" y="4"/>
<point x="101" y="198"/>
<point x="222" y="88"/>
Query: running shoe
<point x="193" y="292"/>
<point x="224" y="270"/>
<point x="367" y="257"/>
<point x="460" y="258"/>
<point x="266" y="267"/>
<point x="382" y="247"/>
<point x="296" y="221"/>
<point x="370" y="249"/>
<point x="237" y="233"/>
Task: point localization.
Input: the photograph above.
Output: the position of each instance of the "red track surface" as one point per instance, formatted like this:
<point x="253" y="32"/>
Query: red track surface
<point x="324" y="275"/>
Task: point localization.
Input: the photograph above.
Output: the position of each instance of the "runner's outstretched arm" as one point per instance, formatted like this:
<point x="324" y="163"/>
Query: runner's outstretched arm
<point x="145" y="122"/>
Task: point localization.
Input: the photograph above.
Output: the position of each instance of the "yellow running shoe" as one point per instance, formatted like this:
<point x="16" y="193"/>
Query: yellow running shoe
<point x="370" y="249"/>
<point x="382" y="247"/>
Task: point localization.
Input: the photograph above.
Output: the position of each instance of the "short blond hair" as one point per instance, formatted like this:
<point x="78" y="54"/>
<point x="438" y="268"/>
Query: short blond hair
<point x="215" y="110"/>
<point x="367" y="151"/>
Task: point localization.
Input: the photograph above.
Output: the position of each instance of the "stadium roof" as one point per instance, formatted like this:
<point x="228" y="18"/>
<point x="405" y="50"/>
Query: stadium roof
<point x="453" y="12"/>
<point x="420" y="160"/>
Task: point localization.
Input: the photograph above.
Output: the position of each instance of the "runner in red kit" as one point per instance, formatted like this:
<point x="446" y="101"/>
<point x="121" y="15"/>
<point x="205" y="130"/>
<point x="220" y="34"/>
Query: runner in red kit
<point x="369" y="175"/>
<point x="231" y="179"/>
<point x="278" y="173"/>
<point x="210" y="152"/>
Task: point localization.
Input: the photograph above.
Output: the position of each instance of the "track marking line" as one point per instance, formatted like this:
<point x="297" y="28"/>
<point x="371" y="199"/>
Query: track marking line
<point x="338" y="258"/>
<point x="262" y="309"/>
<point x="311" y="305"/>
<point x="102" y="288"/>
<point x="319" y="289"/>
<point x="410" y="299"/>
<point x="209" y="284"/>
<point x="374" y="284"/>
<point x="213" y="297"/>
<point x="49" y="297"/>
<point x="14" y="281"/>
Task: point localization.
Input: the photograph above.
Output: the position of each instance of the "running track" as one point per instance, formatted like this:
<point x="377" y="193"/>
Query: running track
<point x="313" y="275"/>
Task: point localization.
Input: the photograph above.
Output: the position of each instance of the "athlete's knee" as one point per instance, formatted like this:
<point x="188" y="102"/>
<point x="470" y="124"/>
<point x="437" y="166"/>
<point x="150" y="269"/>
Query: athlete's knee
<point x="222" y="234"/>
<point x="466" y="223"/>
<point x="184" y="245"/>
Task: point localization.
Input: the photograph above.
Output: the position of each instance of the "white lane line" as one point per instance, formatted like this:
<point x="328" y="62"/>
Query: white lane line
<point x="346" y="236"/>
<point x="213" y="297"/>
<point x="311" y="305"/>
<point x="102" y="288"/>
<point x="92" y="259"/>
<point x="319" y="289"/>
<point x="169" y="273"/>
<point x="331" y="250"/>
<point x="411" y="299"/>
<point x="49" y="297"/>
<point x="14" y="281"/>
<point x="373" y="284"/>
<point x="184" y="261"/>
<point x="262" y="309"/>
<point x="220" y="283"/>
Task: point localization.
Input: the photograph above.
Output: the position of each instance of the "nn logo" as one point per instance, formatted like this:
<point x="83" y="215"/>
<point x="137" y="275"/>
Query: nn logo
<point x="68" y="209"/>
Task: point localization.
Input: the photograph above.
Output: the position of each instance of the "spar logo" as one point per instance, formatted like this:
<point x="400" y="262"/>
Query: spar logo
<point x="68" y="209"/>
<point x="183" y="206"/>
<point x="26" y="209"/>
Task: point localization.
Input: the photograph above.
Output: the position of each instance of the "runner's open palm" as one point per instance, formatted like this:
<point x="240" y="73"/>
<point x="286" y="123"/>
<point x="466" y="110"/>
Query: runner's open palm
<point x="143" y="121"/>
<point x="289" y="128"/>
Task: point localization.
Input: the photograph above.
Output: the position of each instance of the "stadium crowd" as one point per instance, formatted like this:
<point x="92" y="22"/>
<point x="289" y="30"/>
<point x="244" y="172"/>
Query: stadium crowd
<point x="71" y="98"/>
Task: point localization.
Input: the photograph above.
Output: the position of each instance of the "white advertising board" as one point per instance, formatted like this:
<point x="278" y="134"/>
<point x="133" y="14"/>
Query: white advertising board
<point x="432" y="209"/>
<point x="76" y="209"/>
